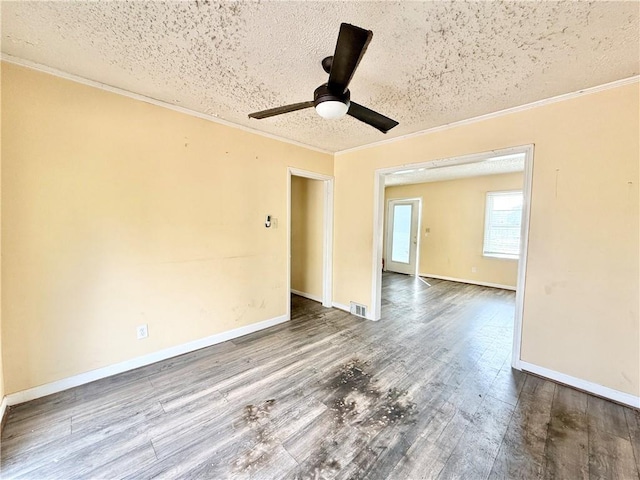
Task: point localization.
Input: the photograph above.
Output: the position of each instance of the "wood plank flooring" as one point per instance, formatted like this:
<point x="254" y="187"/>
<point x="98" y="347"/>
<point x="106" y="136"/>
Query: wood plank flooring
<point x="425" y="393"/>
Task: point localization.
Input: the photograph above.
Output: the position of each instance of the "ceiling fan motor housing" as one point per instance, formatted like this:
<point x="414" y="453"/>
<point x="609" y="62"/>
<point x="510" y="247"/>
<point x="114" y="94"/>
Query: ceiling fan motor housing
<point x="324" y="94"/>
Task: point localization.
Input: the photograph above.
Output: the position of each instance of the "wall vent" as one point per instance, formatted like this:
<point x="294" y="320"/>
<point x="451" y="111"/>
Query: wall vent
<point x="358" y="310"/>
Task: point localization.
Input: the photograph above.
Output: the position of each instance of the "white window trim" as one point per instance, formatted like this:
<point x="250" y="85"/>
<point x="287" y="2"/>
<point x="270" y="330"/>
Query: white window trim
<point x="498" y="255"/>
<point x="501" y="256"/>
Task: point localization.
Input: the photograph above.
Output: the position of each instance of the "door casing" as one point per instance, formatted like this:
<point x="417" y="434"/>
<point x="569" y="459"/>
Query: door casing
<point x="378" y="229"/>
<point x="327" y="248"/>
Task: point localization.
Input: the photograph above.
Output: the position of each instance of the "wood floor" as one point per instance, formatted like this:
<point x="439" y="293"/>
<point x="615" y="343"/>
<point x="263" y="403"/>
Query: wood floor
<point x="427" y="392"/>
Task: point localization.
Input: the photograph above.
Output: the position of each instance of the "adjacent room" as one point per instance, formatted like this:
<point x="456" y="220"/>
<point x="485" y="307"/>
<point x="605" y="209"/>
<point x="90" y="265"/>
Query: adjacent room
<point x="449" y="228"/>
<point x="314" y="240"/>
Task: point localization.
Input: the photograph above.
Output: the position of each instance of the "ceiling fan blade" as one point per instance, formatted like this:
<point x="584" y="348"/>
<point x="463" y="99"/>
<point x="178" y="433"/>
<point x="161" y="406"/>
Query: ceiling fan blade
<point x="280" y="110"/>
<point x="375" y="119"/>
<point x="350" y="47"/>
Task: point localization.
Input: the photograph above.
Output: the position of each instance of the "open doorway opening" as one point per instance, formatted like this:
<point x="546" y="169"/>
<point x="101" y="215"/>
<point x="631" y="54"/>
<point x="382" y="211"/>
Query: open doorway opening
<point x="307" y="221"/>
<point x="310" y="236"/>
<point x="473" y="232"/>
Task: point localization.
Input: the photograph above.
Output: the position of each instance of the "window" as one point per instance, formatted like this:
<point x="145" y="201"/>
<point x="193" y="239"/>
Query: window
<point x="502" y="224"/>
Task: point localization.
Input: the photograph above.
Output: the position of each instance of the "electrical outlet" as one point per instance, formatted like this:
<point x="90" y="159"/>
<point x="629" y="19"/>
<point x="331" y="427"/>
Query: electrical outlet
<point x="142" y="331"/>
<point x="474" y="269"/>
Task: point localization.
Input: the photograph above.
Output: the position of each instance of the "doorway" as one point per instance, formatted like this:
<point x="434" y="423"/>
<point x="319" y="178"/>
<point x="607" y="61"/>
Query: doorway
<point x="322" y="252"/>
<point x="307" y="214"/>
<point x="403" y="218"/>
<point x="470" y="162"/>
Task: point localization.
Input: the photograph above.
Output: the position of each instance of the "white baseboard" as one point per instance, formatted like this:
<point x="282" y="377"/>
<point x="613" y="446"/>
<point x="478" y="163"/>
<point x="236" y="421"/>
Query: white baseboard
<point x="87" y="377"/>
<point x="346" y="308"/>
<point x="341" y="306"/>
<point x="3" y="408"/>
<point x="472" y="282"/>
<point x="310" y="296"/>
<point x="594" y="388"/>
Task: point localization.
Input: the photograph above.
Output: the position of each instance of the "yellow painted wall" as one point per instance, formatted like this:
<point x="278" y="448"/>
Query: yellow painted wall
<point x="1" y="358"/>
<point x="307" y="224"/>
<point x="117" y="213"/>
<point x="454" y="211"/>
<point x="582" y="286"/>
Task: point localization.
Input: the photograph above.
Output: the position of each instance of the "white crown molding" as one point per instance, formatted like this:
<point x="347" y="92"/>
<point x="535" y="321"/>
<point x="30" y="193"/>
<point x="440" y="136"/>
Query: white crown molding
<point x="119" y="91"/>
<point x="584" y="385"/>
<point x="499" y="113"/>
<point x="159" y="103"/>
<point x="110" y="370"/>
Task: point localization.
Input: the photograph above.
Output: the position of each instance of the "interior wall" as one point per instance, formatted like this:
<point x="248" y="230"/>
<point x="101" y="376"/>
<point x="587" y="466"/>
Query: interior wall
<point x="1" y="358"/>
<point x="582" y="284"/>
<point x="454" y="211"/>
<point x="118" y="213"/>
<point x="307" y="228"/>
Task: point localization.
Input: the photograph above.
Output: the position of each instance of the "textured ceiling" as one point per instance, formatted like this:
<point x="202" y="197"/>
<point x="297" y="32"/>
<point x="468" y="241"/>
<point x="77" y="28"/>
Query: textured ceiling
<point x="492" y="166"/>
<point x="429" y="63"/>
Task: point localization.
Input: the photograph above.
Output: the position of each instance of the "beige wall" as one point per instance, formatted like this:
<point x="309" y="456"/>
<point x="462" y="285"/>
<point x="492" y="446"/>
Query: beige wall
<point x="582" y="285"/>
<point x="117" y="213"/>
<point x="1" y="359"/>
<point x="307" y="227"/>
<point x="453" y="211"/>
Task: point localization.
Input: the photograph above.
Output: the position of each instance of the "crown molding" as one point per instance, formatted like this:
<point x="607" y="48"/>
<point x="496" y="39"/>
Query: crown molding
<point x="159" y="103"/>
<point x="499" y="113"/>
<point x="119" y="91"/>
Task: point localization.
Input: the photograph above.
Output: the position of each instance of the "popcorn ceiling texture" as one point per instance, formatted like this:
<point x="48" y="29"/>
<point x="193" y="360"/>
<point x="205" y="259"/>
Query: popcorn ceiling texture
<point x="429" y="63"/>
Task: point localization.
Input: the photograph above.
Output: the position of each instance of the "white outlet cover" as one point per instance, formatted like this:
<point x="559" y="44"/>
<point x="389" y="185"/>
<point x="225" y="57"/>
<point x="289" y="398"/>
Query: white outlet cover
<point x="142" y="331"/>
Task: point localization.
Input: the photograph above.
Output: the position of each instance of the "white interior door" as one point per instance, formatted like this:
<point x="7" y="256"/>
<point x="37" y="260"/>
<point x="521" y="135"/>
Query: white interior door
<point x="402" y="236"/>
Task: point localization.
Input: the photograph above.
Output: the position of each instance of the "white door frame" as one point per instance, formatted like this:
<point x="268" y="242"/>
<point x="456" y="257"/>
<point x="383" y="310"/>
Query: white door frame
<point x="327" y="241"/>
<point x="378" y="229"/>
<point x="418" y="227"/>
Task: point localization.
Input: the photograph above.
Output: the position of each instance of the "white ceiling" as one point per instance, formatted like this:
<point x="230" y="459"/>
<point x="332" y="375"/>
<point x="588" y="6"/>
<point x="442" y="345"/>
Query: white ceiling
<point x="492" y="166"/>
<point x="429" y="63"/>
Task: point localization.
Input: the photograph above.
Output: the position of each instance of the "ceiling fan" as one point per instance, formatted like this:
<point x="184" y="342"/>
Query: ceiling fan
<point x="333" y="99"/>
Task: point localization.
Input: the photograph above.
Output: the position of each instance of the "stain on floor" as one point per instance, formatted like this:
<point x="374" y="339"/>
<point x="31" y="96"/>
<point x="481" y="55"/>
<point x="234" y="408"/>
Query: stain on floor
<point x="263" y="441"/>
<point x="321" y="465"/>
<point x="361" y="410"/>
<point x="358" y="400"/>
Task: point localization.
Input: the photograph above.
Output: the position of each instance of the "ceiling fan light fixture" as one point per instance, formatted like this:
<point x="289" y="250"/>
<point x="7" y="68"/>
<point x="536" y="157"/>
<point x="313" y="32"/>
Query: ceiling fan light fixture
<point x="332" y="100"/>
<point x="332" y="109"/>
<point x="331" y="105"/>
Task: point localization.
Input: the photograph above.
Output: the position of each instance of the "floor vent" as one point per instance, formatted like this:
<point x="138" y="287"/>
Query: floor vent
<point x="358" y="310"/>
